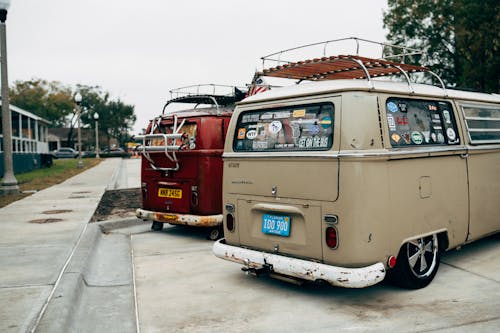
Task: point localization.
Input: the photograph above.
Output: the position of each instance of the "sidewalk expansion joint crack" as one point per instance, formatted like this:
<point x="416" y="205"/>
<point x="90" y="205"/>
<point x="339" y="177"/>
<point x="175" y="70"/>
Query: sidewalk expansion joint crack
<point x="460" y="325"/>
<point x="92" y="285"/>
<point x="27" y="286"/>
<point x="470" y="272"/>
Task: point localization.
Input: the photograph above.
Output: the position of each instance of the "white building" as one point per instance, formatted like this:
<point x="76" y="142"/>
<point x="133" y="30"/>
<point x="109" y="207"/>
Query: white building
<point x="29" y="132"/>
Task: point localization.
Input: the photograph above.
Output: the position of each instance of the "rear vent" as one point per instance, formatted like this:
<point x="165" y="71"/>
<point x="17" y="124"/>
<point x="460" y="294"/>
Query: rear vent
<point x="230" y="208"/>
<point x="331" y="219"/>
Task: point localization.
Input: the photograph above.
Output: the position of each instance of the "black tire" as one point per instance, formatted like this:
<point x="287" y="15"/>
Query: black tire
<point x="157" y="226"/>
<point x="417" y="263"/>
<point x="215" y="234"/>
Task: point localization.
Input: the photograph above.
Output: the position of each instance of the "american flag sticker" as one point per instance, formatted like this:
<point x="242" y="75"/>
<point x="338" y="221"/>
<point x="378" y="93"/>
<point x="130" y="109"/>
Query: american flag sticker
<point x="257" y="87"/>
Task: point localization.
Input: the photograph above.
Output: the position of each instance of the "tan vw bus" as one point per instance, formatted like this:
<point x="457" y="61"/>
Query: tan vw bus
<point x="352" y="181"/>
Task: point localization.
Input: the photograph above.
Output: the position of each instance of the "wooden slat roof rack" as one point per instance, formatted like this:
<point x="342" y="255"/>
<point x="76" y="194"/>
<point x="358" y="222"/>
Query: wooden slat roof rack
<point x="345" y="66"/>
<point x="340" y="67"/>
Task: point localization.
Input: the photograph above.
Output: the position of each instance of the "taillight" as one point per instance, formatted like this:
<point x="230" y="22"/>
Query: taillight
<point x="230" y="222"/>
<point x="144" y="190"/>
<point x="230" y="208"/>
<point x="331" y="237"/>
<point x="194" y="196"/>
<point x="391" y="262"/>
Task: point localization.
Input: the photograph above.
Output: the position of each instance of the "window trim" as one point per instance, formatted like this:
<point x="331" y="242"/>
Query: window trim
<point x="463" y="106"/>
<point x="278" y="109"/>
<point x="428" y="145"/>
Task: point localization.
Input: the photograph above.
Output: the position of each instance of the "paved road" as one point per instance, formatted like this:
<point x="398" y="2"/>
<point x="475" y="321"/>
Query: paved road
<point x="182" y="287"/>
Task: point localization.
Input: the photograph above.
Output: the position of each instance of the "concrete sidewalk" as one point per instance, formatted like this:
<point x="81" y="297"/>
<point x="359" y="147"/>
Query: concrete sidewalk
<point x="39" y="236"/>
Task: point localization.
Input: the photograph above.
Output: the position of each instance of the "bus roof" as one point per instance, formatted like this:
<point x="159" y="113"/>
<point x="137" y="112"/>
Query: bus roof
<point x="323" y="87"/>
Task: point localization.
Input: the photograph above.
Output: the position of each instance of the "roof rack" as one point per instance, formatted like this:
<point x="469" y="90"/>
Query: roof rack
<point x="346" y="66"/>
<point x="211" y="94"/>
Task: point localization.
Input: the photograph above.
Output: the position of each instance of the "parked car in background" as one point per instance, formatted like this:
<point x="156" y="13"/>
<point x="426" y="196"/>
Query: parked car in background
<point x="115" y="152"/>
<point x="65" y="153"/>
<point x="88" y="154"/>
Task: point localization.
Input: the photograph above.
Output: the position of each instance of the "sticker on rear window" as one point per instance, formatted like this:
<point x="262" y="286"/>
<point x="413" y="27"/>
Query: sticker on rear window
<point x="241" y="133"/>
<point x="307" y="127"/>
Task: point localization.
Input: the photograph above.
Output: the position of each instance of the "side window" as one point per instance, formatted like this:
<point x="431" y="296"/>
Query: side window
<point x="483" y="123"/>
<point x="420" y="122"/>
<point x="297" y="128"/>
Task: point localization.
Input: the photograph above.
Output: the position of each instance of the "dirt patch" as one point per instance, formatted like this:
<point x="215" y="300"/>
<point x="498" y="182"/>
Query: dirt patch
<point x="118" y="204"/>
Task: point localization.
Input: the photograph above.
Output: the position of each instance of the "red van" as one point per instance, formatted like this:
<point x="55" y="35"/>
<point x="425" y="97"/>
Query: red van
<point x="181" y="170"/>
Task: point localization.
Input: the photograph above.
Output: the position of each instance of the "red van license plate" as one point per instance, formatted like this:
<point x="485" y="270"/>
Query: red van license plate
<point x="170" y="193"/>
<point x="276" y="225"/>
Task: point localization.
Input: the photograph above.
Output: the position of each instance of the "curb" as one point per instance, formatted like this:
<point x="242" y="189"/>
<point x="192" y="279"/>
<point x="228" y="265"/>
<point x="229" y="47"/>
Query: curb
<point x="68" y="310"/>
<point x="66" y="300"/>
<point x="110" y="225"/>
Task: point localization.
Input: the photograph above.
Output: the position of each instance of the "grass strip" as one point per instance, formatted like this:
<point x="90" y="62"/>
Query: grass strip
<point x="37" y="180"/>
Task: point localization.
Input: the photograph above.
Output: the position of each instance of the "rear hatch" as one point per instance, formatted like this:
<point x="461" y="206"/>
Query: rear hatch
<point x="186" y="180"/>
<point x="280" y="171"/>
<point x="171" y="173"/>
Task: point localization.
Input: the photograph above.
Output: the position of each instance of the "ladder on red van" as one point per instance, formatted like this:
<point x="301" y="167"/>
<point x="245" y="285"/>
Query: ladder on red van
<point x="169" y="146"/>
<point x="210" y="94"/>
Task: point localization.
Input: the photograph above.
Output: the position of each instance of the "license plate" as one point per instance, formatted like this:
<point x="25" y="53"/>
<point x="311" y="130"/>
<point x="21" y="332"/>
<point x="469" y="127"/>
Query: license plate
<point x="170" y="193"/>
<point x="276" y="225"/>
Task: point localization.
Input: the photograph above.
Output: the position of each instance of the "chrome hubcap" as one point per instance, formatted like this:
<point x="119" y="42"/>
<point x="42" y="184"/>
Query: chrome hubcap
<point x="422" y="254"/>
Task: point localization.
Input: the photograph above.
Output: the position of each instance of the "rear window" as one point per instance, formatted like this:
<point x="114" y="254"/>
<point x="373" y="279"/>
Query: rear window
<point x="420" y="122"/>
<point x="297" y="128"/>
<point x="188" y="141"/>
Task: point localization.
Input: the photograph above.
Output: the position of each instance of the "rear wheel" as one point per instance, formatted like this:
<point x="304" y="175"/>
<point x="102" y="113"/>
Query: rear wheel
<point x="417" y="263"/>
<point x="215" y="234"/>
<point x="157" y="226"/>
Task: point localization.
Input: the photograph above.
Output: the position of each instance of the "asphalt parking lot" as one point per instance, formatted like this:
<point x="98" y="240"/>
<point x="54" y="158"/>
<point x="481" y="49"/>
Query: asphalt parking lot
<point x="182" y="287"/>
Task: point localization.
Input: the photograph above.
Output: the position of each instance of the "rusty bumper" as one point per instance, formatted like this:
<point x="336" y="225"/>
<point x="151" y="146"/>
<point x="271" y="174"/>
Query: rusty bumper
<point x="302" y="269"/>
<point x="182" y="219"/>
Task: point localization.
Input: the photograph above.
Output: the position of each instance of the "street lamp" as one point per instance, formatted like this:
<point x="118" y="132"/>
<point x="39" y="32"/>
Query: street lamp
<point x="96" y="118"/>
<point x="78" y="101"/>
<point x="9" y="182"/>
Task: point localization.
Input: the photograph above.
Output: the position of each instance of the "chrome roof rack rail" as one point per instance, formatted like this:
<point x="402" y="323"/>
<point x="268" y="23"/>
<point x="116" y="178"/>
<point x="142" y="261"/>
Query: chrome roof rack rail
<point x="211" y="94"/>
<point x="335" y="67"/>
<point x="404" y="51"/>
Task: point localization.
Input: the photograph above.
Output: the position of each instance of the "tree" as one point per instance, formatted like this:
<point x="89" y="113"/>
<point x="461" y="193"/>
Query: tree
<point x="459" y="38"/>
<point x="54" y="102"/>
<point x="115" y="117"/>
<point x="49" y="100"/>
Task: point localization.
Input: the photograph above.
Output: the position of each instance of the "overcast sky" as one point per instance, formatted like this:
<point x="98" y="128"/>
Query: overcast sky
<point x="139" y="50"/>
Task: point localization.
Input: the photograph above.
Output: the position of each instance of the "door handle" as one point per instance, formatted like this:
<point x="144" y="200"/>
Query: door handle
<point x="464" y="155"/>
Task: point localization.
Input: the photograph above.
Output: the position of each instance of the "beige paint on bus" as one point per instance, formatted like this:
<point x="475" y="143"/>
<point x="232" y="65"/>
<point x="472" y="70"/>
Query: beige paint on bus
<point x="385" y="192"/>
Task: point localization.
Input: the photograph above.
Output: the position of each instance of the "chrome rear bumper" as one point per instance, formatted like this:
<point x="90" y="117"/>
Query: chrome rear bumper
<point x="302" y="269"/>
<point x="181" y="219"/>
